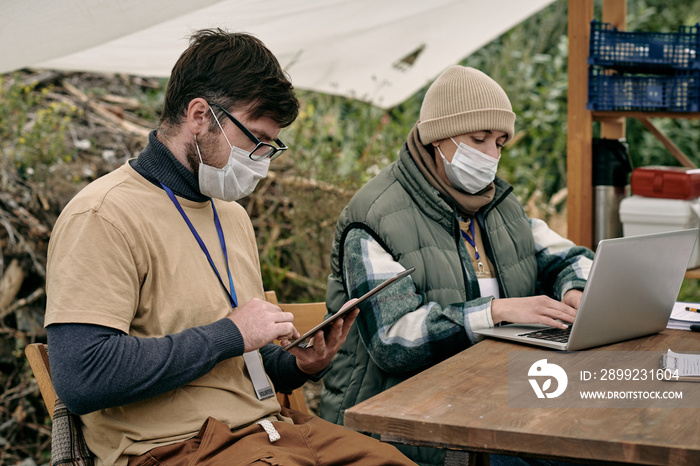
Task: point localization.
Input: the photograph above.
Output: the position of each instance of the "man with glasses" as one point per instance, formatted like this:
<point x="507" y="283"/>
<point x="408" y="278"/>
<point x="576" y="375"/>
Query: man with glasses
<point x="159" y="337"/>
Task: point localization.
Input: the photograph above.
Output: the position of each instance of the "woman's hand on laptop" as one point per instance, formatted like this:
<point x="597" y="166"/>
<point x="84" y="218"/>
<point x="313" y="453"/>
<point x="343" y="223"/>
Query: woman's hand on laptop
<point x="535" y="310"/>
<point x="572" y="298"/>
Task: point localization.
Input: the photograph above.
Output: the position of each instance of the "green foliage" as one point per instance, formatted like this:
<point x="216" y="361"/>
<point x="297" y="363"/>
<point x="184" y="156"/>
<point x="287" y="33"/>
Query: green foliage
<point x="661" y="15"/>
<point x="32" y="128"/>
<point x="690" y="291"/>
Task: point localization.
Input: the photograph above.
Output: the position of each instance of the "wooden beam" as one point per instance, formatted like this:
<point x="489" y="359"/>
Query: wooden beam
<point x="579" y="171"/>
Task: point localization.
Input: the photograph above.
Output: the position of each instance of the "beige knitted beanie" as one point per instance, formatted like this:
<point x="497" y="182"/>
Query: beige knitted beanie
<point x="463" y="100"/>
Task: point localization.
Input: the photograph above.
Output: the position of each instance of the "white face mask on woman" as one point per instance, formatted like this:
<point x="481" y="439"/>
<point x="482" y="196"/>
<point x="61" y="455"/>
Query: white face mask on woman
<point x="470" y="170"/>
<point x="235" y="180"/>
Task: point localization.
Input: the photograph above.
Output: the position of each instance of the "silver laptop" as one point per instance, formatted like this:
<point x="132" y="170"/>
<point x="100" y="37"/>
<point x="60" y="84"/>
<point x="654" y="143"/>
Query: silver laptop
<point x="631" y="290"/>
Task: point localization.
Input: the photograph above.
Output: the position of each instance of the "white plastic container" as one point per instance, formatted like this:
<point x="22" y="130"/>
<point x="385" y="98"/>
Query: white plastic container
<point x="645" y="215"/>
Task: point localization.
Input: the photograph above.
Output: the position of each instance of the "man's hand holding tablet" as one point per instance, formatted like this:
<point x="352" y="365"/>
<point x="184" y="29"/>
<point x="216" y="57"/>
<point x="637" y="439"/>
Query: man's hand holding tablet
<point x="306" y="339"/>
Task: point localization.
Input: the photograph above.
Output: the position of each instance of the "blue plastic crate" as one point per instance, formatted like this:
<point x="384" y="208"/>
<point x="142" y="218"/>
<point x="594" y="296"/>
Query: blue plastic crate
<point x="650" y="52"/>
<point x="679" y="92"/>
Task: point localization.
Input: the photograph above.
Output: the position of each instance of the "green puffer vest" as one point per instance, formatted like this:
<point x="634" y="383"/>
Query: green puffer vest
<point x="420" y="229"/>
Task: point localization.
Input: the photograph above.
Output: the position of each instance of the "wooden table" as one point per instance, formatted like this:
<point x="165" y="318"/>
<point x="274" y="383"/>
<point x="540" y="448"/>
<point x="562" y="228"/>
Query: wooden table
<point x="462" y="404"/>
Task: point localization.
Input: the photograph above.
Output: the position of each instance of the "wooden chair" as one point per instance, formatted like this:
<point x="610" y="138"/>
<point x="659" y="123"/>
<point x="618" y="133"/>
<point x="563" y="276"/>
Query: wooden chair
<point x="306" y="317"/>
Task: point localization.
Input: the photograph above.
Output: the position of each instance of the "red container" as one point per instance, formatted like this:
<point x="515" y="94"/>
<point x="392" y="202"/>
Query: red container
<point x="666" y="182"/>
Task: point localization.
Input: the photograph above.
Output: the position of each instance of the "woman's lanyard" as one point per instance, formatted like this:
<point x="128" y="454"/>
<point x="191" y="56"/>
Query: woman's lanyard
<point x="261" y="384"/>
<point x="232" y="294"/>
<point x="472" y="242"/>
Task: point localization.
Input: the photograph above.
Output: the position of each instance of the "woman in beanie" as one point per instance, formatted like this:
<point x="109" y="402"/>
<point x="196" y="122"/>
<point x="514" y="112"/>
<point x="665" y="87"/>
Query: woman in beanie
<point x="479" y="259"/>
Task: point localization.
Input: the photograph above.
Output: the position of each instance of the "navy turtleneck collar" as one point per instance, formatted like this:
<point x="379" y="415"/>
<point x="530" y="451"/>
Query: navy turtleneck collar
<point x="158" y="165"/>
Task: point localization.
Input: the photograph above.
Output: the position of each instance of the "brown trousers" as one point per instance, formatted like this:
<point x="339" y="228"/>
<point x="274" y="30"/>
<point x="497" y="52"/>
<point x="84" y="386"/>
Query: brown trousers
<point x="309" y="441"/>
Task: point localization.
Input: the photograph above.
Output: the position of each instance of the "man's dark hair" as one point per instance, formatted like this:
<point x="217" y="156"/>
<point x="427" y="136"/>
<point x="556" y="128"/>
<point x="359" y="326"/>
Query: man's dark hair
<point x="234" y="70"/>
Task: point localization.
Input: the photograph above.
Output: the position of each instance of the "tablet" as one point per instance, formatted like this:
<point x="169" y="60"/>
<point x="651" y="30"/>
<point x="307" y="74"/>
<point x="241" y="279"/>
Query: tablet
<point x="301" y="341"/>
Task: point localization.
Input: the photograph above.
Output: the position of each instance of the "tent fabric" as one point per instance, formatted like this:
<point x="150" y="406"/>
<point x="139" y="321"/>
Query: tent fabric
<point x="379" y="51"/>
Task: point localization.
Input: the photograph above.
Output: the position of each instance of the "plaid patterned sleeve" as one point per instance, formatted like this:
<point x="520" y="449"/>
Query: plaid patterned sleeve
<point x="402" y="333"/>
<point x="562" y="265"/>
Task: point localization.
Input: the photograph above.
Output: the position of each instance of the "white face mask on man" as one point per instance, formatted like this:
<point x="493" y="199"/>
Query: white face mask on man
<point x="235" y="180"/>
<point x="470" y="170"/>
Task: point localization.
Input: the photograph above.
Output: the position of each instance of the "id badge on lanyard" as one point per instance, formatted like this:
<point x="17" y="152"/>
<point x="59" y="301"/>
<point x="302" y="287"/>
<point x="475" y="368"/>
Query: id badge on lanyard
<point x="253" y="364"/>
<point x="472" y="242"/>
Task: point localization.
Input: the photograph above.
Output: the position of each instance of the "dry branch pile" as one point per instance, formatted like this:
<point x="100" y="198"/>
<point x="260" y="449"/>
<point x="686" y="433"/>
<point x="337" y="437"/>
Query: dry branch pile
<point x="294" y="218"/>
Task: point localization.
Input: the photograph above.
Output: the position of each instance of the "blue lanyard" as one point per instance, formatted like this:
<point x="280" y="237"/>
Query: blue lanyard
<point x="471" y="240"/>
<point x="220" y="232"/>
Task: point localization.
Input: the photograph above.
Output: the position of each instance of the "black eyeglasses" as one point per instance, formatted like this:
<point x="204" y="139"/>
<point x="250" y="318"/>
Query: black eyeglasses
<point x="262" y="150"/>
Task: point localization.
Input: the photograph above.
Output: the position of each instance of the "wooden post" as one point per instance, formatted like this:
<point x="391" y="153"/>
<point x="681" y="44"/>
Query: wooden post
<point x="615" y="13"/>
<point x="579" y="173"/>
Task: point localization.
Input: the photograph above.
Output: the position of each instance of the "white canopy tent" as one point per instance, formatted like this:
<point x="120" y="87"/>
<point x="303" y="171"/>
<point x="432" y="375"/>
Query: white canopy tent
<point x="380" y="51"/>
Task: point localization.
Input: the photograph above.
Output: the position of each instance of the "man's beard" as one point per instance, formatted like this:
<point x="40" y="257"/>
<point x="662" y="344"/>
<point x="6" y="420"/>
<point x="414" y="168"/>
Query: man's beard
<point x="193" y="158"/>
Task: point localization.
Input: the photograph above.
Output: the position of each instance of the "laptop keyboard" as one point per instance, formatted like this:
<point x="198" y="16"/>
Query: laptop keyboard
<point x="560" y="335"/>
